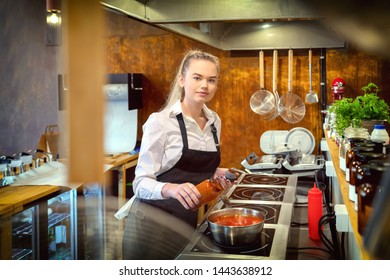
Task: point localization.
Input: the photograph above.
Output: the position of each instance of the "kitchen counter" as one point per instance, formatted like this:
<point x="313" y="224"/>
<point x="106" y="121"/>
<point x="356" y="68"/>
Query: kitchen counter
<point x="42" y="183"/>
<point x="122" y="162"/>
<point x="344" y="187"/>
<point x="13" y="199"/>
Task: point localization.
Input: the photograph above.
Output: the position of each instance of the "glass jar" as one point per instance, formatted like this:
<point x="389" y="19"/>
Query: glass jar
<point x="353" y="136"/>
<point x="344" y="147"/>
<point x="370" y="180"/>
<point x="386" y="149"/>
<point x="379" y="134"/>
<point x="351" y="153"/>
<point x="359" y="159"/>
<point x="209" y="190"/>
<point x="378" y="147"/>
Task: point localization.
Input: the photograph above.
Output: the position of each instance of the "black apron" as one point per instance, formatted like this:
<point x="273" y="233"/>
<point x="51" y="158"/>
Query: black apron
<point x="145" y="237"/>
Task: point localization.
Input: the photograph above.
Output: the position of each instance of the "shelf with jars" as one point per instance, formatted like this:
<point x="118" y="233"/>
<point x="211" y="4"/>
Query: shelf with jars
<point x="366" y="162"/>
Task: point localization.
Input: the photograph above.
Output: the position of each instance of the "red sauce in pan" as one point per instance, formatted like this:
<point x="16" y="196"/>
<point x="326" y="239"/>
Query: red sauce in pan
<point x="236" y="220"/>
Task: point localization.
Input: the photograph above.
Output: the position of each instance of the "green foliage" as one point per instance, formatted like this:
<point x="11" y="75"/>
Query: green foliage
<point x="345" y="110"/>
<point x="371" y="108"/>
<point x="368" y="106"/>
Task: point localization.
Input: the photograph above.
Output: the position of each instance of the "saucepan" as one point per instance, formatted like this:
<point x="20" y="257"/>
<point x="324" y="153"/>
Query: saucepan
<point x="236" y="227"/>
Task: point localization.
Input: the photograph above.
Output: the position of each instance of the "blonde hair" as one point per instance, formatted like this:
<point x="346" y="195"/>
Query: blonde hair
<point x="177" y="92"/>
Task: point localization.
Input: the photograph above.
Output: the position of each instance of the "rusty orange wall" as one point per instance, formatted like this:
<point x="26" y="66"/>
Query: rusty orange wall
<point x="135" y="47"/>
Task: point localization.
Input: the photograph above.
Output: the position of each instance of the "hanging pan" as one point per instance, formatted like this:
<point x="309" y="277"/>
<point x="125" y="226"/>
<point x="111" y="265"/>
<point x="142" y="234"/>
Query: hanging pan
<point x="292" y="108"/>
<point x="262" y="102"/>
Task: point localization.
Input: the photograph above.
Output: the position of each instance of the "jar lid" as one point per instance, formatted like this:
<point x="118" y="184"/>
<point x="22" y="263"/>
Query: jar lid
<point x="367" y="156"/>
<point x="366" y="143"/>
<point x="356" y="139"/>
<point x="379" y="126"/>
<point x="380" y="162"/>
<point x="363" y="149"/>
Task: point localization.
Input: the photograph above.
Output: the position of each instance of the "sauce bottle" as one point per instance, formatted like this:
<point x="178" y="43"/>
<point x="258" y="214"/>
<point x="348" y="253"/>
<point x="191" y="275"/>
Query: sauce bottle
<point x="314" y="211"/>
<point x="209" y="190"/>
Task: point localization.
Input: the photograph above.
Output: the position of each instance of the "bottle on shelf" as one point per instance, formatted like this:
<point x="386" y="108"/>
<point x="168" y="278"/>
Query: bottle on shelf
<point x="380" y="135"/>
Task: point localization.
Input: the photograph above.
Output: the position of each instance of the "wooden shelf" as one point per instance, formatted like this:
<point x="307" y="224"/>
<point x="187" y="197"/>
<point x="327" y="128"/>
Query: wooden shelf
<point x="344" y="189"/>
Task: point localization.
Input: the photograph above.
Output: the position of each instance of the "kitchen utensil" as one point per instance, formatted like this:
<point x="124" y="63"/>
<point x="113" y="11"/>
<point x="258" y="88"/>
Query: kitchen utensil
<point x="262" y="101"/>
<point x="275" y="110"/>
<point x="236" y="226"/>
<point x="311" y="97"/>
<point x="291" y="107"/>
<point x="302" y="139"/>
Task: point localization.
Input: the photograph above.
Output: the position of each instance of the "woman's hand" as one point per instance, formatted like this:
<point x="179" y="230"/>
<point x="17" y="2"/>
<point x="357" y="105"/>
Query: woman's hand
<point x="220" y="172"/>
<point x="220" y="175"/>
<point x="187" y="194"/>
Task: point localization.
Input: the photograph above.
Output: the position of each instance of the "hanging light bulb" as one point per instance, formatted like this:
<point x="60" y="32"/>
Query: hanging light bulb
<point x="53" y="20"/>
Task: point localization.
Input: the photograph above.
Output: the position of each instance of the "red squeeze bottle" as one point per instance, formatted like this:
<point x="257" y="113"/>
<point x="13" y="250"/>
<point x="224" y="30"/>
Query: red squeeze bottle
<point x="314" y="211"/>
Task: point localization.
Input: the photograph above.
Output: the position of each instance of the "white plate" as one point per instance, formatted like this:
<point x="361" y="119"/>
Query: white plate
<point x="302" y="139"/>
<point x="270" y="140"/>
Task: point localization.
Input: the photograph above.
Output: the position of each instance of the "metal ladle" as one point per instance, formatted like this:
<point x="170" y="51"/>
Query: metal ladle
<point x="311" y="97"/>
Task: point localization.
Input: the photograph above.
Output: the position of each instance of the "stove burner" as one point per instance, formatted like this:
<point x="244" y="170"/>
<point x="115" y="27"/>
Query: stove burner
<point x="261" y="248"/>
<point x="270" y="211"/>
<point x="258" y="193"/>
<point x="264" y="179"/>
<point x="260" y="245"/>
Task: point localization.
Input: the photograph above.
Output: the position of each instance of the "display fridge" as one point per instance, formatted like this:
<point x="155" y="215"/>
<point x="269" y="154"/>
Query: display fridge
<point x="46" y="230"/>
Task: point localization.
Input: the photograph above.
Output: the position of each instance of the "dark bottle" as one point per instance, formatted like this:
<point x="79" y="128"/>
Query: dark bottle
<point x="354" y="146"/>
<point x="352" y="164"/>
<point x="369" y="182"/>
<point x="360" y="158"/>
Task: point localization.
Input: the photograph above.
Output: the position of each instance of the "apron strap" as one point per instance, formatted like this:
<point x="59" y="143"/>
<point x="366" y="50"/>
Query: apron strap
<point x="184" y="132"/>
<point x="214" y="131"/>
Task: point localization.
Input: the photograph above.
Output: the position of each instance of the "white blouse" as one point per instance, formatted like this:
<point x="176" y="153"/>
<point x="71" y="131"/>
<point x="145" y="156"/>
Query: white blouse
<point x="162" y="146"/>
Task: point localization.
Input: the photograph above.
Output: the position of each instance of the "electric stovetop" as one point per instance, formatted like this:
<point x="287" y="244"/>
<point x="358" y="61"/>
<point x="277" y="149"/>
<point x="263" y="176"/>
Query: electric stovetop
<point x="286" y="180"/>
<point x="274" y="200"/>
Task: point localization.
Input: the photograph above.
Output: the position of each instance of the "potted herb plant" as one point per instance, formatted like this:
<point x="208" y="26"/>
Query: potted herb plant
<point x="365" y="110"/>
<point x="345" y="112"/>
<point x="373" y="109"/>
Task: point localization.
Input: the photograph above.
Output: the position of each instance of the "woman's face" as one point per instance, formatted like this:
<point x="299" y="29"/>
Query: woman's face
<point x="200" y="81"/>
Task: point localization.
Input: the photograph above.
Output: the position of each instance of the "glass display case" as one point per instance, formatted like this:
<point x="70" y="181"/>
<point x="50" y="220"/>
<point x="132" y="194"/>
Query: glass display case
<point x="46" y="230"/>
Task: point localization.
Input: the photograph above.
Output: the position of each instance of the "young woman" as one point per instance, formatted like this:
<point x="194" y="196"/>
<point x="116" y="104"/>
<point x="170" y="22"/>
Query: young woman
<point x="179" y="149"/>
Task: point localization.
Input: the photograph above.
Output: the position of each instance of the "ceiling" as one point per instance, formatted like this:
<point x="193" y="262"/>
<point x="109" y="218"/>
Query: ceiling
<point x="235" y="25"/>
<point x="266" y="24"/>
